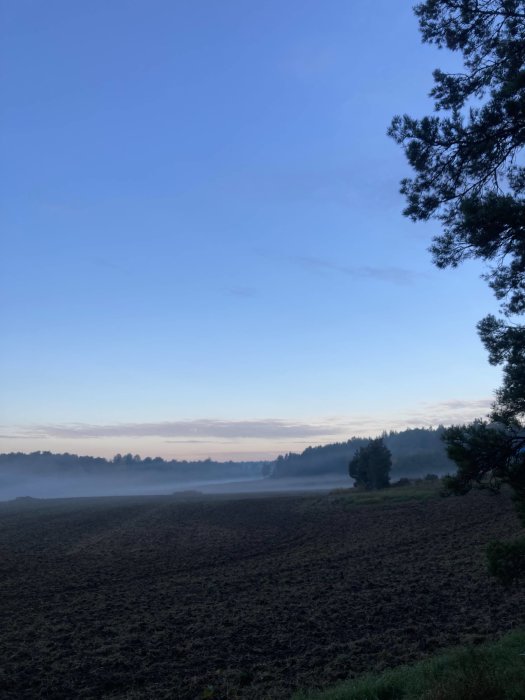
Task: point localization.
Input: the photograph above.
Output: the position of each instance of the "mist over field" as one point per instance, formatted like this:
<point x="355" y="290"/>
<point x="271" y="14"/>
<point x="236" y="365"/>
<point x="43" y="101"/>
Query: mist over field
<point x="81" y="487"/>
<point x="45" y="475"/>
<point x="15" y="485"/>
<point x="415" y="453"/>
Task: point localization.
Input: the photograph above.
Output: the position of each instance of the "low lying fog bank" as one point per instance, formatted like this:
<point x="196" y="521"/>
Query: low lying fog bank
<point x="416" y="453"/>
<point x="67" y="487"/>
<point x="317" y="483"/>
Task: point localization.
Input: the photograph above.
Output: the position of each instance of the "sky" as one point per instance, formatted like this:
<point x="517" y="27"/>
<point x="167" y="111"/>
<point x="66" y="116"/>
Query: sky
<point x="203" y="246"/>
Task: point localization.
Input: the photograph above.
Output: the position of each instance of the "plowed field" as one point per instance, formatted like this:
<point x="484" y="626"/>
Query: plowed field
<point x="241" y="597"/>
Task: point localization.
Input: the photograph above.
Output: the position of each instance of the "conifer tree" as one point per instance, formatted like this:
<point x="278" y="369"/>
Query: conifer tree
<point x="469" y="173"/>
<point x="370" y="466"/>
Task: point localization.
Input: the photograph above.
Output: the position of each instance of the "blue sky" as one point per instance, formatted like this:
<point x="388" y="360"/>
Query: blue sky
<point x="203" y="251"/>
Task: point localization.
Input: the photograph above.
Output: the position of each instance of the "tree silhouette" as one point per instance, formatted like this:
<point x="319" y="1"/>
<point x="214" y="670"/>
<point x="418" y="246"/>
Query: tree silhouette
<point x="370" y="466"/>
<point x="469" y="174"/>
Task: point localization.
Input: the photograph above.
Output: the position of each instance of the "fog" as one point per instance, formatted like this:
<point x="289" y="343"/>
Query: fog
<point x="416" y="453"/>
<point x="86" y="486"/>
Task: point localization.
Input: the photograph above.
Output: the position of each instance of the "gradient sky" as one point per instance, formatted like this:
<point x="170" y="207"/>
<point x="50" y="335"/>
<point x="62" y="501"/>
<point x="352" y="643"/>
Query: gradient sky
<point x="203" y="251"/>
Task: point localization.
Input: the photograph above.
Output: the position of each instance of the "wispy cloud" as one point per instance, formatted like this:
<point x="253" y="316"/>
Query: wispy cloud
<point x="393" y="275"/>
<point x="275" y="434"/>
<point x="202" y="441"/>
<point x="267" y="429"/>
<point x="240" y="291"/>
<point x="460" y="405"/>
<point x="99" y="261"/>
<point x="453" y="411"/>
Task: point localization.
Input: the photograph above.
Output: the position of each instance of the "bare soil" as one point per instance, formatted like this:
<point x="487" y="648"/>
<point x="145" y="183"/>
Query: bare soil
<point x="159" y="597"/>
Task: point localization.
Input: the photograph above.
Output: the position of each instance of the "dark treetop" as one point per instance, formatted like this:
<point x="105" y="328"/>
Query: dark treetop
<point x="469" y="173"/>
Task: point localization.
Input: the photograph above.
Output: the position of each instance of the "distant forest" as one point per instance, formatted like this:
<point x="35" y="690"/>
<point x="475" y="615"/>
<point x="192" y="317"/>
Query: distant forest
<point x="42" y="464"/>
<point x="415" y="452"/>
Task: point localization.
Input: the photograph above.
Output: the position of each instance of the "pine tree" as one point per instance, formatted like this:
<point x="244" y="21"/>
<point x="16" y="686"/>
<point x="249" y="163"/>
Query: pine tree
<point x="370" y="466"/>
<point x="468" y="168"/>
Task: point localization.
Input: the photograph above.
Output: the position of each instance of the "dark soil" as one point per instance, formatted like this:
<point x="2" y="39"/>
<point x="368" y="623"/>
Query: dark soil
<point x="239" y="598"/>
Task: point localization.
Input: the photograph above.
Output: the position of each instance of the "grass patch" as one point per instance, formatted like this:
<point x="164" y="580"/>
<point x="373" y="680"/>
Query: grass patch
<point x="420" y="491"/>
<point x="492" y="671"/>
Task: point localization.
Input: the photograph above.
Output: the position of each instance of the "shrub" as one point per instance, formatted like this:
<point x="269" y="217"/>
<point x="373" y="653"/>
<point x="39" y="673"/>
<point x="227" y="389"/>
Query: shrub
<point x="401" y="482"/>
<point x="507" y="560"/>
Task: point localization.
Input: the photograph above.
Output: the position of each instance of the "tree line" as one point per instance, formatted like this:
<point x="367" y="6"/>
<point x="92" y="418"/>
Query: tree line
<point x="128" y="465"/>
<point x="415" y="453"/>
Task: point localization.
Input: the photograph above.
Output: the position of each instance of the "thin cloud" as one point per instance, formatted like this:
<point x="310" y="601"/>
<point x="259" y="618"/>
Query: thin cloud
<point x="201" y="442"/>
<point x="455" y="411"/>
<point x="459" y="405"/>
<point x="104" y="262"/>
<point x="243" y="292"/>
<point x="394" y="275"/>
<point x="268" y="429"/>
<point x="20" y="433"/>
<point x="282" y="432"/>
<point x="427" y="415"/>
<point x="391" y="275"/>
<point x="450" y="412"/>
